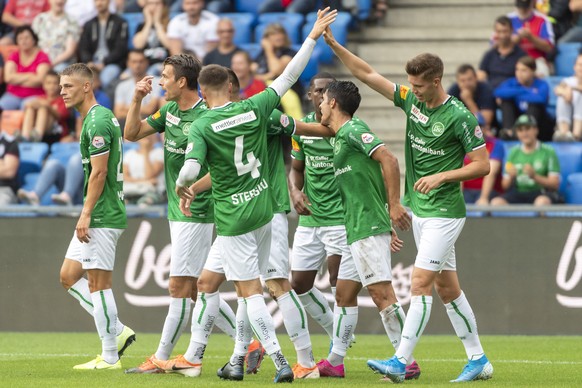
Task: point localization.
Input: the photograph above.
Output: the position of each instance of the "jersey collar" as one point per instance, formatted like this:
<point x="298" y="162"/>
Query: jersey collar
<point x="222" y="106"/>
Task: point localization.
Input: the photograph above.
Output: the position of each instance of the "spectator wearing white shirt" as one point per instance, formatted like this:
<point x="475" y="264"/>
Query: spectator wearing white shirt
<point x="193" y="30"/>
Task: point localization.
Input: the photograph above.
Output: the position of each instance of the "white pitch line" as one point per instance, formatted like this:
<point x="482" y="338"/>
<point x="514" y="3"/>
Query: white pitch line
<point x="535" y="362"/>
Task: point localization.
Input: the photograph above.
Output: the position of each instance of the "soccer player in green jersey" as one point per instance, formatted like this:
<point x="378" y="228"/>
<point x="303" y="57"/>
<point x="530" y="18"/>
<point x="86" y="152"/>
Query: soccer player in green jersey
<point x="532" y="169"/>
<point x="276" y="276"/>
<point x="102" y="218"/>
<point x="191" y="236"/>
<point x="440" y="131"/>
<point x="362" y="161"/>
<point x="231" y="137"/>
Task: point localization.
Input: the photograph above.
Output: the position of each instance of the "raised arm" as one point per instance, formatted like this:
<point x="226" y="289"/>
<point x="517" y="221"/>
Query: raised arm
<point x="360" y="68"/>
<point x="135" y="127"/>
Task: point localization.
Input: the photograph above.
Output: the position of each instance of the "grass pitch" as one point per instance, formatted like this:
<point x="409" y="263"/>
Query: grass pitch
<point x="46" y="360"/>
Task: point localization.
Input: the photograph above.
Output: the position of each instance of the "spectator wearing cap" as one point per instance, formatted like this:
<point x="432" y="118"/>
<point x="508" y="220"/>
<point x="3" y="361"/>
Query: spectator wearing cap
<point x="222" y="54"/>
<point x="525" y="93"/>
<point x="476" y="95"/>
<point x="569" y="106"/>
<point x="534" y="33"/>
<point x="532" y="170"/>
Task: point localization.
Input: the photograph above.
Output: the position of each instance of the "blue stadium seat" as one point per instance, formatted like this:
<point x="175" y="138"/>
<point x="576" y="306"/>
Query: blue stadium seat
<point x="63" y="151"/>
<point x="312" y="67"/>
<point x="251" y="6"/>
<point x="364" y="9"/>
<point x="508" y="145"/>
<point x="573" y="191"/>
<point x="553" y="81"/>
<point x="32" y="156"/>
<point x="339" y="29"/>
<point x="29" y="183"/>
<point x="565" y="58"/>
<point x="254" y="49"/>
<point x="570" y="157"/>
<point x="243" y="26"/>
<point x="133" y="20"/>
<point x="292" y="22"/>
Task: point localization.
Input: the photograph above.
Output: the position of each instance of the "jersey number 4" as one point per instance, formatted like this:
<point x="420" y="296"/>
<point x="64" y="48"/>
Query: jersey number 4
<point x="252" y="164"/>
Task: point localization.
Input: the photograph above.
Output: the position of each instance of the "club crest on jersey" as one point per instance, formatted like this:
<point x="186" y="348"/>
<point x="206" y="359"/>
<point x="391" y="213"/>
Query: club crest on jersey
<point x="172" y="119"/>
<point x="337" y="147"/>
<point x="418" y="116"/>
<point x="115" y="122"/>
<point x="98" y="141"/>
<point x="478" y="132"/>
<point x="331" y="141"/>
<point x="438" y="128"/>
<point x="284" y="120"/>
<point x="367" y="138"/>
<point x="186" y="129"/>
<point x="189" y="147"/>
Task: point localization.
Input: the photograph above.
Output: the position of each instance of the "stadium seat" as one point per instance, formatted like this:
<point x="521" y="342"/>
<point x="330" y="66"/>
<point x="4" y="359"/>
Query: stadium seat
<point x="254" y="49"/>
<point x="565" y="58"/>
<point x="29" y="183"/>
<point x="63" y="151"/>
<point x="292" y="22"/>
<point x="553" y="81"/>
<point x="251" y="6"/>
<point x="508" y="145"/>
<point x="243" y="26"/>
<point x="573" y="191"/>
<point x="364" y="9"/>
<point x="312" y="67"/>
<point x="12" y="121"/>
<point x="133" y="20"/>
<point x="339" y="29"/>
<point x="32" y="156"/>
<point x="570" y="157"/>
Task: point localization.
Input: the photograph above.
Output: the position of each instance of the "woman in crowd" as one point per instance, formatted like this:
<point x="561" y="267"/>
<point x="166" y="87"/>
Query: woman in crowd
<point x="151" y="34"/>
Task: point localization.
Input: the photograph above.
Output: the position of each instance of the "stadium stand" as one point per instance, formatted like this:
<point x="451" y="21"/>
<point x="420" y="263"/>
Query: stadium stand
<point x="243" y="26"/>
<point x="133" y="20"/>
<point x="251" y="6"/>
<point x="63" y="151"/>
<point x="339" y="29"/>
<point x="12" y="121"/>
<point x="31" y="157"/>
<point x="574" y="189"/>
<point x="292" y="22"/>
<point x="565" y="58"/>
<point x="553" y="81"/>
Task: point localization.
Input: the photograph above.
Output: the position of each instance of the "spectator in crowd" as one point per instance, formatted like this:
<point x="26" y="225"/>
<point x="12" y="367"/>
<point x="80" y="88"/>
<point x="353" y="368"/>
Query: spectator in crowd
<point x="532" y="170"/>
<point x="9" y="163"/>
<point x="276" y="53"/>
<point x="151" y="35"/>
<point x="58" y="34"/>
<point x="19" y="13"/>
<point x="476" y="95"/>
<point x="137" y="64"/>
<point x="103" y="43"/>
<point x="222" y="54"/>
<point x="214" y="6"/>
<point x="574" y="33"/>
<point x="525" y="93"/>
<point x="498" y="63"/>
<point x="534" y="33"/>
<point x="194" y="30"/>
<point x="569" y="106"/>
<point x="46" y="117"/>
<point x="142" y="171"/>
<point x="294" y="6"/>
<point x="67" y="179"/>
<point x="25" y="70"/>
<point x="84" y="10"/>
<point x="562" y="18"/>
<point x="249" y="85"/>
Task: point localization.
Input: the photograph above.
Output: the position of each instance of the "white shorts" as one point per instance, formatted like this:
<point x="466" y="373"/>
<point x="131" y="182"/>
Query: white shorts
<point x="190" y="246"/>
<point x="246" y="256"/>
<point x="372" y="259"/>
<point x="99" y="252"/>
<point x="214" y="261"/>
<point x="435" y="241"/>
<point x="278" y="267"/>
<point x="312" y="245"/>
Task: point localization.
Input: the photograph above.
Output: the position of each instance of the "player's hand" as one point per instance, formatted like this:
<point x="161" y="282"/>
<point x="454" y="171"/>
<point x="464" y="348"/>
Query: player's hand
<point x="396" y="244"/>
<point x="184" y="192"/>
<point x="328" y="36"/>
<point x="425" y="184"/>
<point x="482" y="201"/>
<point x="529" y="170"/>
<point x="82" y="228"/>
<point x="324" y="19"/>
<point x="185" y="207"/>
<point x="301" y="203"/>
<point x="400" y="216"/>
<point x="143" y="87"/>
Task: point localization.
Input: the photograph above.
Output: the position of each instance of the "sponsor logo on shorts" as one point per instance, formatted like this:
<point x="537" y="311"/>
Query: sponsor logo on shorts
<point x="435" y="262"/>
<point x="271" y="270"/>
<point x="370" y="275"/>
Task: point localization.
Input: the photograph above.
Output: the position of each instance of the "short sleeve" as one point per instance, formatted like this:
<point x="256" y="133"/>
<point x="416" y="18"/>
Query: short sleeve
<point x="100" y="133"/>
<point x="196" y="148"/>
<point x="280" y="124"/>
<point x="297" y="148"/>
<point x="400" y="95"/>
<point x="362" y="139"/>
<point x="469" y="133"/>
<point x="157" y="120"/>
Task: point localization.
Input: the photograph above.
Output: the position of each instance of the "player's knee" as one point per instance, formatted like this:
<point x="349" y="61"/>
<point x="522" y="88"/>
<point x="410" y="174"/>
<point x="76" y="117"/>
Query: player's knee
<point x="181" y="287"/>
<point x="344" y="299"/>
<point x="300" y="285"/>
<point x="207" y="285"/>
<point x="278" y="287"/>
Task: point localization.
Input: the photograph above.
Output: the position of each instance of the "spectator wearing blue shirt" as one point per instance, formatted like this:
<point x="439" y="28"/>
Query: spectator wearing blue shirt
<point x="476" y="95"/>
<point x="525" y="93"/>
